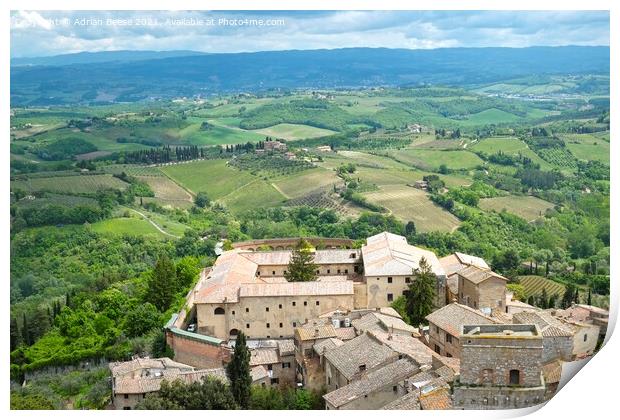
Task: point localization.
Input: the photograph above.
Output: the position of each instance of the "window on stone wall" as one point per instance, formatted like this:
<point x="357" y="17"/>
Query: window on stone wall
<point x="273" y="273"/>
<point x="338" y="271"/>
<point x="515" y="376"/>
<point x="286" y="365"/>
<point x="267" y="309"/>
<point x="219" y="311"/>
<point x="395" y="388"/>
<point x="233" y="312"/>
<point x="247" y="309"/>
<point x="390" y="297"/>
<point x="407" y="280"/>
<point x="585" y="338"/>
<point x="281" y="325"/>
<point x="328" y="271"/>
<point x="280" y="306"/>
<point x="317" y="303"/>
<point x="294" y="303"/>
<point x="305" y="303"/>
<point x="448" y="338"/>
<point x="267" y="325"/>
<point x="389" y="279"/>
<point x="294" y="324"/>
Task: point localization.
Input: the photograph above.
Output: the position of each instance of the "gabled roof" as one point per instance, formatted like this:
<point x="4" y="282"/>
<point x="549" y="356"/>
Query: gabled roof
<point x="316" y="332"/>
<point x="362" y="350"/>
<point x="455" y="262"/>
<point x="139" y="364"/>
<point x="373" y="381"/>
<point x="322" y="346"/>
<point x="145" y="384"/>
<point x="452" y="317"/>
<point x="410" y="401"/>
<point x="266" y="356"/>
<point x="478" y="275"/>
<point x="389" y="254"/>
<point x="377" y="320"/>
<point x="548" y="325"/>
<point x="406" y="345"/>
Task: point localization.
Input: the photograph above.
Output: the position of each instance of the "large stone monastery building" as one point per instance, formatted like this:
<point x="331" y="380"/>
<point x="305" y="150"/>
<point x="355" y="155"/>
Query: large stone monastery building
<point x="246" y="290"/>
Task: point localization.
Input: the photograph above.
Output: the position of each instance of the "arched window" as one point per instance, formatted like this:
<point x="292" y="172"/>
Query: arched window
<point x="515" y="377"/>
<point x="234" y="332"/>
<point x="219" y="311"/>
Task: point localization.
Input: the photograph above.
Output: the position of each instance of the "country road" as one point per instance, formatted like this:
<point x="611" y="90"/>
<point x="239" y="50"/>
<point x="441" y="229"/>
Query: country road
<point x="154" y="224"/>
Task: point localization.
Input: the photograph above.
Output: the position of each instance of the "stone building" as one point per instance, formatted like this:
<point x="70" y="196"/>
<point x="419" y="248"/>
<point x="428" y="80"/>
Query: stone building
<point x="557" y="337"/>
<point x="374" y="389"/>
<point x="482" y="289"/>
<point x="279" y="362"/>
<point x="246" y="290"/>
<point x="501" y="367"/>
<point x="355" y="358"/>
<point x="132" y="381"/>
<point x="445" y="325"/>
<point x="454" y="263"/>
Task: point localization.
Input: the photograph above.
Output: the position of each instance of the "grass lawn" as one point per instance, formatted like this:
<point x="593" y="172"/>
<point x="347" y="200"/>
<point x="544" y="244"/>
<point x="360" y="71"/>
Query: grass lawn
<point x="527" y="207"/>
<point x="409" y="203"/>
<point x="293" y="131"/>
<point x="218" y="133"/>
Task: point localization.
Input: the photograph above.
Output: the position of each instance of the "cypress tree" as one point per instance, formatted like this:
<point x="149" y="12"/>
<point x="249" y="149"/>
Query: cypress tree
<point x="25" y="331"/>
<point x="162" y="284"/>
<point x="421" y="297"/>
<point x="15" y="336"/>
<point x="238" y="372"/>
<point x="301" y="266"/>
<point x="589" y="296"/>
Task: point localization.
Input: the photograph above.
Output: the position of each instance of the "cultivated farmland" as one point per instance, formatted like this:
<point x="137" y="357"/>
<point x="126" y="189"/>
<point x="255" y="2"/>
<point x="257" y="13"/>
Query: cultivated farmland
<point x="78" y="184"/>
<point x="534" y="285"/>
<point x="527" y="207"/>
<point x="409" y="203"/>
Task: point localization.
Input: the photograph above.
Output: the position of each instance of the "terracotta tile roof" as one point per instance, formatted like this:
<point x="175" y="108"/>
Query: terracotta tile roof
<point x="139" y="364"/>
<point x="410" y="401"/>
<point x="552" y="372"/>
<point x="309" y="288"/>
<point x="452" y="317"/>
<point x="286" y="347"/>
<point x="389" y="254"/>
<point x="436" y="399"/>
<point x="478" y="275"/>
<point x="146" y="384"/>
<point x="406" y="345"/>
<point x="372" y="381"/>
<point x="259" y="373"/>
<point x="266" y="356"/>
<point x="321" y="256"/>
<point x="345" y="334"/>
<point x="362" y="350"/>
<point x="455" y="262"/>
<point x="322" y="346"/>
<point x="374" y="320"/>
<point x="548" y="325"/>
<point x="316" y="332"/>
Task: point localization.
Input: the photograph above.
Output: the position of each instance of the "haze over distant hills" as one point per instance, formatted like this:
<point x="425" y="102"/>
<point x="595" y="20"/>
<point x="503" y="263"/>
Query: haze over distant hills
<point x="136" y="75"/>
<point x="99" y="57"/>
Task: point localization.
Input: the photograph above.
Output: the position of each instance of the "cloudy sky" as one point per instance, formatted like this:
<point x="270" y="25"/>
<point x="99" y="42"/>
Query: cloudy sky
<point x="46" y="33"/>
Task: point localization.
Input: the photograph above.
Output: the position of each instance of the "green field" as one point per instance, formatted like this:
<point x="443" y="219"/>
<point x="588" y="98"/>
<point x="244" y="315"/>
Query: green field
<point x="214" y="177"/>
<point x="509" y="146"/>
<point x="301" y="183"/>
<point x="407" y="203"/>
<point x="293" y="131"/>
<point x="534" y="286"/>
<point x="588" y="147"/>
<point x="527" y="207"/>
<point x="167" y="192"/>
<point x="78" y="184"/>
<point x="432" y="159"/>
<point x="126" y="226"/>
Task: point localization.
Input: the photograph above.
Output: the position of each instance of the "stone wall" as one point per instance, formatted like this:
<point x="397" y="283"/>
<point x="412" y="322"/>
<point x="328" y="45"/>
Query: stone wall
<point x="496" y="398"/>
<point x="557" y="348"/>
<point x="290" y="243"/>
<point x="195" y="351"/>
<point x="438" y="340"/>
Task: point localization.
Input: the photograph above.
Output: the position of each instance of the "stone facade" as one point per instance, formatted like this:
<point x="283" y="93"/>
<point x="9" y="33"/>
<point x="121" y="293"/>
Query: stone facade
<point x="194" y="350"/>
<point x="501" y="367"/>
<point x="486" y="295"/>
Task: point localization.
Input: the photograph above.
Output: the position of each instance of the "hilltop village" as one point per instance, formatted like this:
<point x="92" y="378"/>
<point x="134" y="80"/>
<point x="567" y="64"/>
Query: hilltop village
<point x="338" y="334"/>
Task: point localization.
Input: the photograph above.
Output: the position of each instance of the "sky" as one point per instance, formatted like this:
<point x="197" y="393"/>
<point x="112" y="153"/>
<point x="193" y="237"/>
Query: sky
<point x="45" y="33"/>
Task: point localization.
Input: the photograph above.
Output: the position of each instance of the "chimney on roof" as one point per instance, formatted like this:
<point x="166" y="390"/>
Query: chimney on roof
<point x="316" y="332"/>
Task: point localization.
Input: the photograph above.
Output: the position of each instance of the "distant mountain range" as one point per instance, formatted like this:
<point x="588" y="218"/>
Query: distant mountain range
<point x="99" y="57"/>
<point x="136" y="75"/>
